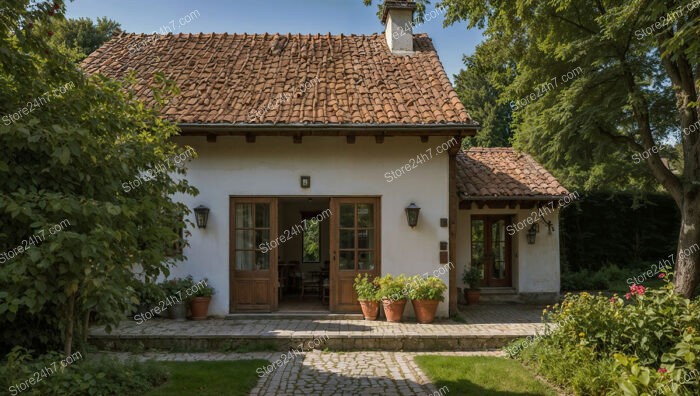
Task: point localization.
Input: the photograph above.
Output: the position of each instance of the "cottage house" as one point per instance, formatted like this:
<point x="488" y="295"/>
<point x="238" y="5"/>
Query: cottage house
<point x="321" y="157"/>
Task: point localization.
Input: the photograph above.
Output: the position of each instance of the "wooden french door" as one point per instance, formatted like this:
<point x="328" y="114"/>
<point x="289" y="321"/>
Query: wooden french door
<point x="355" y="248"/>
<point x="491" y="248"/>
<point x="252" y="260"/>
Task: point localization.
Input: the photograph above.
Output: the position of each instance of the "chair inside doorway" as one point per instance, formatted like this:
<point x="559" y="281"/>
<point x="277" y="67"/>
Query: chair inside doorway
<point x="303" y="258"/>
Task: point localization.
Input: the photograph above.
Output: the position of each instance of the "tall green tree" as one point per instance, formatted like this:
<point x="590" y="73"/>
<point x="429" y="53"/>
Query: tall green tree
<point x="86" y="198"/>
<point x="480" y="87"/>
<point x="84" y="35"/>
<point x="618" y="76"/>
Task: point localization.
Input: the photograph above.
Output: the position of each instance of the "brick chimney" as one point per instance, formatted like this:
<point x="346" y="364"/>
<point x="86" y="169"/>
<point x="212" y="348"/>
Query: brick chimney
<point x="397" y="16"/>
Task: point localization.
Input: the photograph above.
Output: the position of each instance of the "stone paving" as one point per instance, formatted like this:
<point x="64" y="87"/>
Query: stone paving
<point x="329" y="373"/>
<point x="482" y="320"/>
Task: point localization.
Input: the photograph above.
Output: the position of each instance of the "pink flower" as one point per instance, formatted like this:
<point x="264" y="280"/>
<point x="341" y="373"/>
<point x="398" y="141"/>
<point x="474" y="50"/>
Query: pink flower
<point x="627" y="296"/>
<point x="662" y="370"/>
<point x="636" y="290"/>
<point x="662" y="275"/>
<point x="612" y="299"/>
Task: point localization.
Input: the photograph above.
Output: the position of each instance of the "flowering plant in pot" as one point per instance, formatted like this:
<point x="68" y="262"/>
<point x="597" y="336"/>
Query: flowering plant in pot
<point x="425" y="295"/>
<point x="392" y="291"/>
<point x="366" y="289"/>
<point x="199" y="304"/>
<point x="472" y="277"/>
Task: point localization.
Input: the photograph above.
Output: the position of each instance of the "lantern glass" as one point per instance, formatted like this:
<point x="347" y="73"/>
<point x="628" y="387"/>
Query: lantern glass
<point x="201" y="214"/>
<point x="532" y="234"/>
<point x="412" y="212"/>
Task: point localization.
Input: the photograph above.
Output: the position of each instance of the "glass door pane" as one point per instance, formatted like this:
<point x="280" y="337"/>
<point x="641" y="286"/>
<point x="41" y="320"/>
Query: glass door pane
<point x="498" y="249"/>
<point x="252" y="234"/>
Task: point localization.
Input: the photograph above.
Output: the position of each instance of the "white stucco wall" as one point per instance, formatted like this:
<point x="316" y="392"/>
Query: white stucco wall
<point x="535" y="267"/>
<point x="273" y="165"/>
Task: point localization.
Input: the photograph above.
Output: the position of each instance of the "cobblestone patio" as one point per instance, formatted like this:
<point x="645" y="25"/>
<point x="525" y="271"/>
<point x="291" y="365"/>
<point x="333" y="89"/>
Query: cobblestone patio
<point x="484" y="326"/>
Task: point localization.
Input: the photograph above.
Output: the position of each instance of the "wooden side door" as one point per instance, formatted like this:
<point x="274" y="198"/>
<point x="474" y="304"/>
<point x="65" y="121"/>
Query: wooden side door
<point x="491" y="246"/>
<point x="355" y="248"/>
<point x="252" y="260"/>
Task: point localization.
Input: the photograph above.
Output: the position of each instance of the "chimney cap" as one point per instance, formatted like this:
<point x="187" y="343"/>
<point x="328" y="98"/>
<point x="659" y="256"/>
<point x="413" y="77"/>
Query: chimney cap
<point x="396" y="4"/>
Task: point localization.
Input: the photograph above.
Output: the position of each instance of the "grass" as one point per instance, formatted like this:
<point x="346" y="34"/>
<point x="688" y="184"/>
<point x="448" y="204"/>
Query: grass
<point x="210" y="378"/>
<point x="481" y="375"/>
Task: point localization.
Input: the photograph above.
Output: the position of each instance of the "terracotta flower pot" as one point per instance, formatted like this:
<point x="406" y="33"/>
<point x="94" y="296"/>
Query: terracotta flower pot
<point x="200" y="307"/>
<point x="393" y="309"/>
<point x="425" y="310"/>
<point x="370" y="309"/>
<point x="472" y="296"/>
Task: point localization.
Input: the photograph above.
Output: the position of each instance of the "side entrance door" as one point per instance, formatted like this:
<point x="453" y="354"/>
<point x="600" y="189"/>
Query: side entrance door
<point x="355" y="248"/>
<point x="252" y="263"/>
<point x="491" y="247"/>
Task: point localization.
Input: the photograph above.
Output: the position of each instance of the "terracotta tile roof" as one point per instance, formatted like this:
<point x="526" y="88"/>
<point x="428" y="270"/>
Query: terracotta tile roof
<point x="287" y="79"/>
<point x="503" y="172"/>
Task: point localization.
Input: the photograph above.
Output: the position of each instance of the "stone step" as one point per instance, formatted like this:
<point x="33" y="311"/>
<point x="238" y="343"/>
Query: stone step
<point x="251" y="343"/>
<point x="300" y="315"/>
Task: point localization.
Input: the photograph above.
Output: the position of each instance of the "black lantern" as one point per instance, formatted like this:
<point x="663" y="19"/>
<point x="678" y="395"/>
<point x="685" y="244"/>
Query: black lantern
<point x="201" y="214"/>
<point x="412" y="214"/>
<point x="532" y="234"/>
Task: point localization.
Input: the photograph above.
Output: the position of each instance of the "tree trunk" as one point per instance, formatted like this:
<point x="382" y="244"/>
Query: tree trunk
<point x="86" y="326"/>
<point x="688" y="264"/>
<point x="70" y="320"/>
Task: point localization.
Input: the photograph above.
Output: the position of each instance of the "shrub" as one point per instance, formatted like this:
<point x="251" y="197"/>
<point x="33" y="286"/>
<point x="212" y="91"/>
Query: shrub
<point x="392" y="288"/>
<point x="472" y="276"/>
<point x="103" y="376"/>
<point x="585" y="280"/>
<point x="430" y="288"/>
<point x="366" y="288"/>
<point x="203" y="289"/>
<point x="646" y="342"/>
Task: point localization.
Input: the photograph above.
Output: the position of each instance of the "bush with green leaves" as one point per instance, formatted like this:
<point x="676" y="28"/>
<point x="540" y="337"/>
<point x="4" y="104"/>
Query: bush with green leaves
<point x="203" y="289"/>
<point x="426" y="288"/>
<point x="472" y="276"/>
<point x="86" y="376"/>
<point x="69" y="161"/>
<point x="645" y="342"/>
<point x="392" y="287"/>
<point x="366" y="288"/>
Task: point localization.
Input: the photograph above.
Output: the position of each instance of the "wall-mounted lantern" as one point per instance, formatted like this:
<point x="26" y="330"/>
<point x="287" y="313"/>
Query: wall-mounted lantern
<point x="201" y="214"/>
<point x="412" y="212"/>
<point x="532" y="233"/>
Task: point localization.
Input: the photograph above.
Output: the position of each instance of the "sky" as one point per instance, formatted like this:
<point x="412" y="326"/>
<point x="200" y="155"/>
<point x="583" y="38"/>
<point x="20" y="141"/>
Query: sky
<point x="270" y="16"/>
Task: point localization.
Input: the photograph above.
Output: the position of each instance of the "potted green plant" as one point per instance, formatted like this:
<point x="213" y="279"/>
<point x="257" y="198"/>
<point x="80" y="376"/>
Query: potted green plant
<point x="199" y="304"/>
<point x="176" y="299"/>
<point x="425" y="295"/>
<point x="392" y="291"/>
<point x="472" y="278"/>
<point x="366" y="289"/>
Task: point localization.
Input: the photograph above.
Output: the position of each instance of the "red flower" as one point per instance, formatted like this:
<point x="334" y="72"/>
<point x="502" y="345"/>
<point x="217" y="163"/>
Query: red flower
<point x="636" y="290"/>
<point x="50" y="33"/>
<point x="627" y="296"/>
<point x="662" y="275"/>
<point x="612" y="299"/>
<point x="662" y="370"/>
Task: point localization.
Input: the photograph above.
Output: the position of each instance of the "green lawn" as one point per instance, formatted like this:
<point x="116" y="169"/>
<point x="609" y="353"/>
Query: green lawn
<point x="210" y="378"/>
<point x="481" y="375"/>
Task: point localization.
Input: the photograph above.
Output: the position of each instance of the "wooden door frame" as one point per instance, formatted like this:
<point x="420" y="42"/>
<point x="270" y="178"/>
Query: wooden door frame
<point x="488" y="220"/>
<point x="273" y="201"/>
<point x="335" y="202"/>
